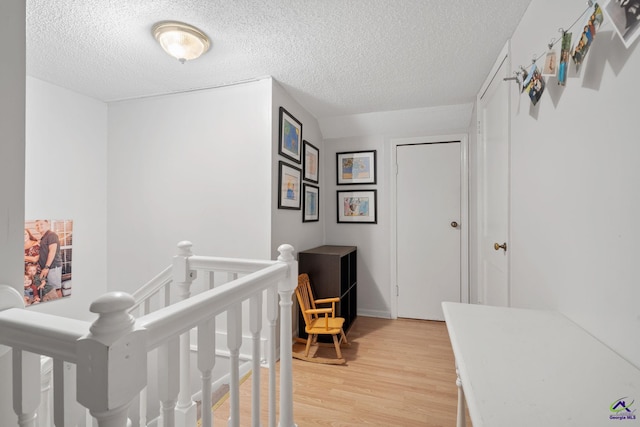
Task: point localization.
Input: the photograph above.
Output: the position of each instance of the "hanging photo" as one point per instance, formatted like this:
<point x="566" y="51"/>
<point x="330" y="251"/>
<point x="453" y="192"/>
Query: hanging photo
<point x="551" y="63"/>
<point x="310" y="203"/>
<point x="625" y="16"/>
<point x="290" y="132"/>
<point x="47" y="260"/>
<point x="356" y="167"/>
<point x="289" y="180"/>
<point x="534" y="86"/>
<point x="311" y="162"/>
<point x="524" y="81"/>
<point x="527" y="76"/>
<point x="587" y="35"/>
<point x="358" y="206"/>
<point x="564" y="58"/>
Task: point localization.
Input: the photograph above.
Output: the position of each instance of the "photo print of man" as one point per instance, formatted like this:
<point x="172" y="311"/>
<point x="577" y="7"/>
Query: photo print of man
<point x="564" y="58"/>
<point x="47" y="260"/>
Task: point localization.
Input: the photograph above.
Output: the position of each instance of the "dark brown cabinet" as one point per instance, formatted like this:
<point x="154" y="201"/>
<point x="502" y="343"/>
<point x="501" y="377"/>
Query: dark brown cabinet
<point x="333" y="273"/>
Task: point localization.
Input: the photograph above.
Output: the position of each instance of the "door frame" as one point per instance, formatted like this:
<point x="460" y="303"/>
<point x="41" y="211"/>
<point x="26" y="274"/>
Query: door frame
<point x="464" y="211"/>
<point x="503" y="57"/>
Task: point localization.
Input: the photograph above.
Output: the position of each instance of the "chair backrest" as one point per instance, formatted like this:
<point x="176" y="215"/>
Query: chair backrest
<point x="305" y="297"/>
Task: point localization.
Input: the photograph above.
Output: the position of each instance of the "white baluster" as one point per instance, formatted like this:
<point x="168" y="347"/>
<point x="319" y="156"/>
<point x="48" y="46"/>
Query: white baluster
<point x="206" y="362"/>
<point x="255" y="324"/>
<point x="234" y="341"/>
<point x="26" y="387"/>
<point x="46" y="379"/>
<point x="142" y="401"/>
<point x="461" y="404"/>
<point x="66" y="409"/>
<point x="168" y="380"/>
<point x="59" y="395"/>
<point x="183" y="278"/>
<point x="272" y="318"/>
<point x="112" y="361"/>
<point x="211" y="277"/>
<point x="167" y="295"/>
<point x="88" y="419"/>
<point x="285" y="290"/>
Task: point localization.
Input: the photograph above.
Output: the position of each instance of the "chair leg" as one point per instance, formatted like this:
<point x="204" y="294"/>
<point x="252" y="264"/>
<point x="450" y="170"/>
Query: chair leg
<point x="309" y="339"/>
<point x="337" y="345"/>
<point x="344" y="337"/>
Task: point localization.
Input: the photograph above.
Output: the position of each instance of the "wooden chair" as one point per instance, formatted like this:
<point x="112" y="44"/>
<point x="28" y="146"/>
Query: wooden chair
<point x="319" y="321"/>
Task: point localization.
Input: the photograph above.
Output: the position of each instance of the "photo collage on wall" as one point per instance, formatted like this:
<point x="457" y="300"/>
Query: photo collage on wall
<point x="293" y="193"/>
<point x="574" y="46"/>
<point x="47" y="260"/>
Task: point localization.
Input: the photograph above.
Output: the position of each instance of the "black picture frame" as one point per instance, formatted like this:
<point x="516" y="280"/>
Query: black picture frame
<point x="310" y="203"/>
<point x="356" y="167"/>
<point x="311" y="164"/>
<point x="289" y="136"/>
<point x="357" y="206"/>
<point x="289" y="191"/>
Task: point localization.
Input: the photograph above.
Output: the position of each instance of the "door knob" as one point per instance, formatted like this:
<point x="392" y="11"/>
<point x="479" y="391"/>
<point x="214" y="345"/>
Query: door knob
<point x="454" y="224"/>
<point x="502" y="246"/>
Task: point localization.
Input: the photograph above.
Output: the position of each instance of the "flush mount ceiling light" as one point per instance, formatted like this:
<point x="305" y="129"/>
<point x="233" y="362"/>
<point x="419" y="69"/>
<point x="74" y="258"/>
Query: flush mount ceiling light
<point x="180" y="40"/>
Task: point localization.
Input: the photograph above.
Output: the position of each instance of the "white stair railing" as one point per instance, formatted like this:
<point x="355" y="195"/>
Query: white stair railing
<point x="111" y="353"/>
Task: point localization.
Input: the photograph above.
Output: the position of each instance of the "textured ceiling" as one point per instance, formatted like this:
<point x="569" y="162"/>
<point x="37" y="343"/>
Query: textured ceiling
<point x="335" y="57"/>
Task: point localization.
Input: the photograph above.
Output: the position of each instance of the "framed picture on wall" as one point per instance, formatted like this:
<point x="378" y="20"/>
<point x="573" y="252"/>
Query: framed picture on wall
<point x="357" y="206"/>
<point x="311" y="203"/>
<point x="356" y="167"/>
<point x="289" y="179"/>
<point x="290" y="136"/>
<point x="311" y="162"/>
<point x="46" y="280"/>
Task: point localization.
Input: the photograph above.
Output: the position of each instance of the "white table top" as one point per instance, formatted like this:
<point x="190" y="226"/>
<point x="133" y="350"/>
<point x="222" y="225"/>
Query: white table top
<point x="522" y="367"/>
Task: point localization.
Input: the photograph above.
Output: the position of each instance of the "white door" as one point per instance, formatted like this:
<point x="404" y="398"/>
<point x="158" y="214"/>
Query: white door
<point x="493" y="186"/>
<point x="428" y="188"/>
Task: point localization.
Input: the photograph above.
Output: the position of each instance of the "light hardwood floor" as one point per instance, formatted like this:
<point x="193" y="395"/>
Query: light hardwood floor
<point x="398" y="373"/>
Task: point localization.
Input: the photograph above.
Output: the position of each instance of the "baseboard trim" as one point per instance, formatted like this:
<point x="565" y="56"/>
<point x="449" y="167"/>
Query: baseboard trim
<point x="374" y="313"/>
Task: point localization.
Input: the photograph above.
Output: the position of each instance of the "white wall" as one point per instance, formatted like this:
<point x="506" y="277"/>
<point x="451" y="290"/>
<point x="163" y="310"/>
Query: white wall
<point x="372" y="240"/>
<point x="191" y="166"/>
<point x="574" y="195"/>
<point x="374" y="131"/>
<point x="12" y="152"/>
<point x="12" y="142"/>
<point x="66" y="178"/>
<point x="287" y="225"/>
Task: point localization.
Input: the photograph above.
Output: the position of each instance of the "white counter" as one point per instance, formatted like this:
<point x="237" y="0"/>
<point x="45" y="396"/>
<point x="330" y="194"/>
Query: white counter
<point x="522" y="367"/>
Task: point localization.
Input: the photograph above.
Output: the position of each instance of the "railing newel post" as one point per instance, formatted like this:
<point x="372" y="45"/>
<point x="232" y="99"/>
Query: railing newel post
<point x="286" y="288"/>
<point x="183" y="278"/>
<point x="112" y="361"/>
<point x="272" y="318"/>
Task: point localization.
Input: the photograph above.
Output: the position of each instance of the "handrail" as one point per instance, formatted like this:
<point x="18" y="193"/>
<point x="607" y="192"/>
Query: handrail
<point x="111" y="353"/>
<point x="42" y="333"/>
<point x="228" y="264"/>
<point x="185" y="315"/>
<point x="152" y="286"/>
